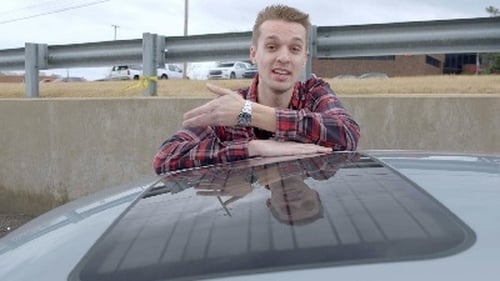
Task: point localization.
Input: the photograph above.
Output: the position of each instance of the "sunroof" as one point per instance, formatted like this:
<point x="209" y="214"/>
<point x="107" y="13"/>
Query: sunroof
<point x="329" y="210"/>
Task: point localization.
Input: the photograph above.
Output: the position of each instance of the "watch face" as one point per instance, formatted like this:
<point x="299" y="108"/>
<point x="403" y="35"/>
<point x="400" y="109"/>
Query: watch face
<point x="244" y="119"/>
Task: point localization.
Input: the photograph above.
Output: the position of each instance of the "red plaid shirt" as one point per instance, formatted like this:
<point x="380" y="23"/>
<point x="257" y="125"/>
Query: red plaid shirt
<point x="314" y="115"/>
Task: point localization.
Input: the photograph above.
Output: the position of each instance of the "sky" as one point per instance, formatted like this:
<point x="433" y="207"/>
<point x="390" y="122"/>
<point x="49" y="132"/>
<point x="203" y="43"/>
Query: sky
<point x="62" y="22"/>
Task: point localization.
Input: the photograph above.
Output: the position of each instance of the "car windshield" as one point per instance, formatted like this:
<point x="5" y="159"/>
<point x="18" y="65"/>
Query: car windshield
<point x="226" y="64"/>
<point x="257" y="216"/>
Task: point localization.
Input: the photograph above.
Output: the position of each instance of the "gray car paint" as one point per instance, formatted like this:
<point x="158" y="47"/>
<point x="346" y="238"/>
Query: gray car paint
<point x="465" y="184"/>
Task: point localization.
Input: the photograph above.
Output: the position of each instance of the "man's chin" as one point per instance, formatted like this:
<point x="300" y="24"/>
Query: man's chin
<point x="279" y="87"/>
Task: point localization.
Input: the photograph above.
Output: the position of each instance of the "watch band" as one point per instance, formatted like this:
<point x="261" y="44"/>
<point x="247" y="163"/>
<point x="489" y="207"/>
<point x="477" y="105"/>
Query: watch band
<point x="245" y="116"/>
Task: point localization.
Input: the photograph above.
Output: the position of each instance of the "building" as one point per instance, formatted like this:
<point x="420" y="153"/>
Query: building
<point x="400" y="65"/>
<point x="464" y="63"/>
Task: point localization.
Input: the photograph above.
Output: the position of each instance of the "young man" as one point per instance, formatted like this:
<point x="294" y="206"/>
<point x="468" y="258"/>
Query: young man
<point x="277" y="115"/>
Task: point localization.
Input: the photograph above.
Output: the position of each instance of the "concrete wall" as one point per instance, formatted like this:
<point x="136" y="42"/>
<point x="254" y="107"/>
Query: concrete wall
<point x="59" y="149"/>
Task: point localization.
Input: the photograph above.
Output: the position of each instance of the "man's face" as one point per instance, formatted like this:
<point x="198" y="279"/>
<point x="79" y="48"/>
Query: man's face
<point x="292" y="200"/>
<point x="280" y="55"/>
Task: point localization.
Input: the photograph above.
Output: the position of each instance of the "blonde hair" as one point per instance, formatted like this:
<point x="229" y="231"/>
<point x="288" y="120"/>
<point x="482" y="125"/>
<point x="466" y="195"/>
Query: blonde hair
<point x="280" y="12"/>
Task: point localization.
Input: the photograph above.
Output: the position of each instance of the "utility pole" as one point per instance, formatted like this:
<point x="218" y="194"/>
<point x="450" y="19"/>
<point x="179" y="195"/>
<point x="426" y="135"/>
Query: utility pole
<point x="478" y="63"/>
<point x="115" y="28"/>
<point x="186" y="8"/>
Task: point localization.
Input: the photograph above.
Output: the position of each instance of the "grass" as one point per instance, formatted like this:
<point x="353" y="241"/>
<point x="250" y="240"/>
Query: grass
<point x="443" y="84"/>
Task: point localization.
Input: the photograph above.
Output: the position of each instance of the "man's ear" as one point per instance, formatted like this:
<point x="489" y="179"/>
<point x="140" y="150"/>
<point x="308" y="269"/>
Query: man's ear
<point x="252" y="54"/>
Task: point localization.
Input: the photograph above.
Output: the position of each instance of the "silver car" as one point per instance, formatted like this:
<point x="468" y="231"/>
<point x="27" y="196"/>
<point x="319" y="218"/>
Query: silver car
<point x="374" y="215"/>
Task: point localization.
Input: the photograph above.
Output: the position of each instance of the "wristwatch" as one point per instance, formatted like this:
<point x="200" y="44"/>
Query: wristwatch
<point x="253" y="180"/>
<point x="245" y="116"/>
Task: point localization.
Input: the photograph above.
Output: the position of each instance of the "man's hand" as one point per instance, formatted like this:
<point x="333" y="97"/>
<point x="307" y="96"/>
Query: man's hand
<point x="274" y="148"/>
<point x="221" y="111"/>
<point x="235" y="186"/>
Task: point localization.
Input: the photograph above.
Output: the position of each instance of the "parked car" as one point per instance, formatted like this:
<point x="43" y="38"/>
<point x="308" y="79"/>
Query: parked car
<point x="69" y="79"/>
<point x="125" y="72"/>
<point x="373" y="75"/>
<point x="346" y="76"/>
<point x="228" y="70"/>
<point x="374" y="215"/>
<point x="250" y="72"/>
<point x="169" y="71"/>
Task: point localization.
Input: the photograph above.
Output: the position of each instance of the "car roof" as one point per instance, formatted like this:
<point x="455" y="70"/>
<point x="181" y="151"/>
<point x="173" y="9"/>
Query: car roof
<point x="180" y="228"/>
<point x="454" y="198"/>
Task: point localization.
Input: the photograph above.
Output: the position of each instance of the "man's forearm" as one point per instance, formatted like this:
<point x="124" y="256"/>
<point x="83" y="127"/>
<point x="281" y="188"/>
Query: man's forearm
<point x="264" y="117"/>
<point x="192" y="148"/>
<point x="333" y="128"/>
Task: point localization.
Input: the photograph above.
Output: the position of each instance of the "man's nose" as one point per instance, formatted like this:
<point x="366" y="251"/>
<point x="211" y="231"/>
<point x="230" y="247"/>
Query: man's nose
<point x="283" y="55"/>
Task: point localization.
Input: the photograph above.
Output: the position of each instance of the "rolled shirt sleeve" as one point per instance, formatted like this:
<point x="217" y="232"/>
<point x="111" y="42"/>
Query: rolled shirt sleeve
<point x="200" y="147"/>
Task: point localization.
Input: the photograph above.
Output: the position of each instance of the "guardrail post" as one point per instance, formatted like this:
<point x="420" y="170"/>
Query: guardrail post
<point x="149" y="63"/>
<point x="307" y="71"/>
<point x="160" y="50"/>
<point x="313" y="43"/>
<point x="35" y="59"/>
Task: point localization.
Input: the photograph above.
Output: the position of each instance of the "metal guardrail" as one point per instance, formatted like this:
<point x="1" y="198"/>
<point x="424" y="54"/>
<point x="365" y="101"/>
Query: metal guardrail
<point x="478" y="35"/>
<point x="427" y="37"/>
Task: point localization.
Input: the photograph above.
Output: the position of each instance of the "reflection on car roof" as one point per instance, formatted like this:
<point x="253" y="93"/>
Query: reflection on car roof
<point x="179" y="228"/>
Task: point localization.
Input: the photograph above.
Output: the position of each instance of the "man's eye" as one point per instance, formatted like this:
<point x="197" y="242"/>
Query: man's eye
<point x="271" y="47"/>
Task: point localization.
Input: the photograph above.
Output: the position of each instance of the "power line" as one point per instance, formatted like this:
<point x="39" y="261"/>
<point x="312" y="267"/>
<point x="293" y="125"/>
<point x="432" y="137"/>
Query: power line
<point x="53" y="11"/>
<point x="38" y="6"/>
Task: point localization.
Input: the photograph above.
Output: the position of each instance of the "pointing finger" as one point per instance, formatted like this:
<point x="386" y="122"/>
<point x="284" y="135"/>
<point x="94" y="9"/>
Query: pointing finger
<point x="219" y="90"/>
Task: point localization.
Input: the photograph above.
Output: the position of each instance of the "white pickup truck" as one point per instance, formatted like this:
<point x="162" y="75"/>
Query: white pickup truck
<point x="125" y="72"/>
<point x="169" y="71"/>
<point x="134" y="72"/>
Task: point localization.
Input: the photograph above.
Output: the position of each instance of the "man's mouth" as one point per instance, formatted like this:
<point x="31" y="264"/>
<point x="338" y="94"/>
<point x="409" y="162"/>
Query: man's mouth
<point x="281" y="71"/>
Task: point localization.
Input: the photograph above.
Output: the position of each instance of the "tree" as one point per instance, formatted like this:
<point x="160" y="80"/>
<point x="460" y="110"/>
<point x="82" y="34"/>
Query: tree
<point x="493" y="59"/>
<point x="494" y="12"/>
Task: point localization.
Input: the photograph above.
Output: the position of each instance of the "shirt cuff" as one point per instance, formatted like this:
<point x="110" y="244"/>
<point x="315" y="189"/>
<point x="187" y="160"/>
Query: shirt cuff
<point x="237" y="150"/>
